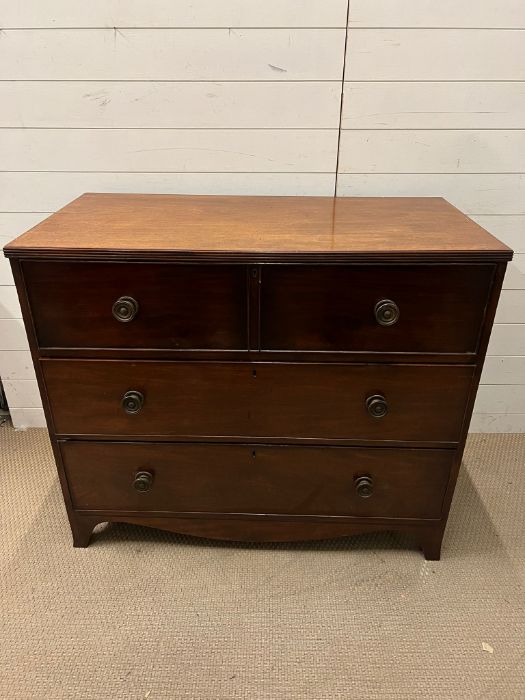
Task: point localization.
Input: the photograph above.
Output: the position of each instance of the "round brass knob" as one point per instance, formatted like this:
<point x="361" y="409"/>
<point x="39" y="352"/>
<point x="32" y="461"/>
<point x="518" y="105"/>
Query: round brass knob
<point x="125" y="309"/>
<point x="132" y="401"/>
<point x="377" y="406"/>
<point x="364" y="486"/>
<point x="143" y="481"/>
<point x="386" y="312"/>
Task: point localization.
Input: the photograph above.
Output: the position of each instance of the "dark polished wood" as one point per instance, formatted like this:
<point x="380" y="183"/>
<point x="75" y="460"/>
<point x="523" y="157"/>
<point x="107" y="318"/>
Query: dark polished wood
<point x="179" y="306"/>
<point x="482" y="351"/>
<point x="256" y="529"/>
<point x="255" y="355"/>
<point x="82" y="529"/>
<point x="233" y="399"/>
<point x="257" y="479"/>
<point x="259" y="368"/>
<point x="318" y="308"/>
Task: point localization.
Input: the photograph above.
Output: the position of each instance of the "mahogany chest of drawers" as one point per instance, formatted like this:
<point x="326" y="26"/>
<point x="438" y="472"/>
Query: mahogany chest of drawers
<point x="259" y="368"/>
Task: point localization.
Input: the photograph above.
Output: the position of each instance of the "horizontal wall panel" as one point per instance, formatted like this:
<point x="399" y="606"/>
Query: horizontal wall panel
<point x="511" y="307"/>
<point x="503" y="398"/>
<point x="426" y="151"/>
<point x="23" y="418"/>
<point x="16" y="365"/>
<point x="22" y="393"/>
<point x="169" y="150"/>
<point x="515" y="275"/>
<point x="436" y="54"/>
<point x="172" y="54"/>
<point x="9" y="306"/>
<point x="429" y="13"/>
<point x="475" y="194"/>
<point x="170" y="105"/>
<point x="182" y="13"/>
<point x="509" y="229"/>
<point x="497" y="423"/>
<point x="504" y="370"/>
<point x="13" y="224"/>
<point x="12" y="334"/>
<point x="433" y="105"/>
<point x="507" y="339"/>
<point x="6" y="276"/>
<point x="480" y="196"/>
<point x="50" y="191"/>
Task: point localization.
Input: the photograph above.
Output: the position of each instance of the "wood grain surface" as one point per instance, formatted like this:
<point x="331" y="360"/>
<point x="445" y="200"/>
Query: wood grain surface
<point x="179" y="306"/>
<point x="253" y="400"/>
<point x="318" y="308"/>
<point x="257" y="479"/>
<point x="254" y="228"/>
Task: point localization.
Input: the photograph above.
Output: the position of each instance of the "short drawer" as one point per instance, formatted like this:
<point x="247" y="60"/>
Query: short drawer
<point x="404" y="309"/>
<point x="231" y="399"/>
<point x="138" y="305"/>
<point x="287" y="480"/>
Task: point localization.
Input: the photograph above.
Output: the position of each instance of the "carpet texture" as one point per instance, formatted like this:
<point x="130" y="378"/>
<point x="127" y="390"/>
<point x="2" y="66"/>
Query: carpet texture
<point x="147" y="614"/>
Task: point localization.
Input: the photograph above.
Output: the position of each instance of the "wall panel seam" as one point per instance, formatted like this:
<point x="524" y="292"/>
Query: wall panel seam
<point x="208" y="128"/>
<point x="266" y="28"/>
<point x="341" y="102"/>
<point x="186" y="172"/>
<point x="199" y="27"/>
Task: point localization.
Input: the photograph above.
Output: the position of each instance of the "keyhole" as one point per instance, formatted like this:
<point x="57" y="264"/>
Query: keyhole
<point x="254" y="373"/>
<point x="253" y="454"/>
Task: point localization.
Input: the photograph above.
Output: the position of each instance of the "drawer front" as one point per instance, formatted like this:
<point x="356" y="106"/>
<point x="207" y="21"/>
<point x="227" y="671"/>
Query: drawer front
<point x="327" y="401"/>
<point x="288" y="480"/>
<point x="177" y="306"/>
<point x="331" y="308"/>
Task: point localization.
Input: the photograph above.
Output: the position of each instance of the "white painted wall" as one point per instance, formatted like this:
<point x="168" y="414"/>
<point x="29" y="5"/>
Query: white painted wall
<point x="434" y="104"/>
<point x="244" y="96"/>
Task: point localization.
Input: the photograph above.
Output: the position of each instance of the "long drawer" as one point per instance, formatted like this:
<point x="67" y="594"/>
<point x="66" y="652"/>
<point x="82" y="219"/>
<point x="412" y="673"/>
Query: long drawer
<point x="326" y="401"/>
<point x="287" y="480"/>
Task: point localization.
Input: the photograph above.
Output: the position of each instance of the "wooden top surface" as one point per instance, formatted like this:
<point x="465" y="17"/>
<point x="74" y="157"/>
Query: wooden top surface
<point x="258" y="229"/>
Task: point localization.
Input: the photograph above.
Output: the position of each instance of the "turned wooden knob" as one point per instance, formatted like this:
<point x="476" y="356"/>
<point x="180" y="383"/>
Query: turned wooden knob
<point x="377" y="406"/>
<point x="386" y="312"/>
<point x="125" y="309"/>
<point x="143" y="481"/>
<point x="132" y="401"/>
<point x="364" y="486"/>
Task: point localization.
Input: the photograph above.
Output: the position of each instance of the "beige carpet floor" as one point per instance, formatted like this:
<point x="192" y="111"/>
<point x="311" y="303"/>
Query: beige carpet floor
<point x="146" y="614"/>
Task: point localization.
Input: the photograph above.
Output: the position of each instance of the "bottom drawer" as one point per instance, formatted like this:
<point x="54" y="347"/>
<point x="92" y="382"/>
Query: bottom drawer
<point x="284" y="480"/>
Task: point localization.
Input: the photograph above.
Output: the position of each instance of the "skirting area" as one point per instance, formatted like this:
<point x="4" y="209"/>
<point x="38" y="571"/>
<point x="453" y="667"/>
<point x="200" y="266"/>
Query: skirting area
<point x="146" y="614"/>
